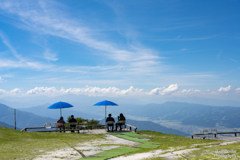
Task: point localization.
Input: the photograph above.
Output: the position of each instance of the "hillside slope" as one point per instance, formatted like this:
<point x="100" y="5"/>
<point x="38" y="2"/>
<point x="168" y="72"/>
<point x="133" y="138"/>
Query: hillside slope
<point x="24" y="119"/>
<point x="42" y="110"/>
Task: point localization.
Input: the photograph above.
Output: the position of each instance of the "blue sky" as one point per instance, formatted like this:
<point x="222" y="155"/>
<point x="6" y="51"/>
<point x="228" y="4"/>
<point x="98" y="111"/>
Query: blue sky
<point x="120" y="48"/>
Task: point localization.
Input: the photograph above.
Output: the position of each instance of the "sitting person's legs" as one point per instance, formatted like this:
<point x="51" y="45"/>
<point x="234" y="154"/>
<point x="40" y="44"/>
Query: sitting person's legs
<point x="110" y="126"/>
<point x="120" y="125"/>
<point x="73" y="127"/>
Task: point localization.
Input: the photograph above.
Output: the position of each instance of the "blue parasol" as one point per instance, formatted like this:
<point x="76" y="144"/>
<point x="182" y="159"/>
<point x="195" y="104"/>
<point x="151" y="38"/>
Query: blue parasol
<point x="105" y="103"/>
<point x="60" y="105"/>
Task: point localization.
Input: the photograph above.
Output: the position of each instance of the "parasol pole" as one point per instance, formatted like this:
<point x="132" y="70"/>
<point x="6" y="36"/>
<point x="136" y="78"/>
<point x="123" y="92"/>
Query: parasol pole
<point x="105" y="113"/>
<point x="60" y="112"/>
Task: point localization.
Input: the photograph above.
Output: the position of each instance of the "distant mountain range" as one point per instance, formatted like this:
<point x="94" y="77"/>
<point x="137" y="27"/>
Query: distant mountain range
<point x="42" y="110"/>
<point x="186" y="113"/>
<point x="2" y="124"/>
<point x="27" y="119"/>
<point x="24" y="119"/>
<point x="192" y="114"/>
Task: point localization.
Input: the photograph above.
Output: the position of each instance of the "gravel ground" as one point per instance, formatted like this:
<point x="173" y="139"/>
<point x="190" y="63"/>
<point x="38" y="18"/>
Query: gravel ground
<point x="94" y="147"/>
<point x="87" y="149"/>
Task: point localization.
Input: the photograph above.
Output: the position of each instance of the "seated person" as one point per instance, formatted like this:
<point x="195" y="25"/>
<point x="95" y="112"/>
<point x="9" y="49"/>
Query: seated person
<point x="61" y="123"/>
<point x="121" y="121"/>
<point x="110" y="119"/>
<point x="72" y="120"/>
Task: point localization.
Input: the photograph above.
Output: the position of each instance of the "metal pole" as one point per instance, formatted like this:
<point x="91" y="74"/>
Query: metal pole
<point x="60" y="112"/>
<point x="105" y="114"/>
<point x="15" y="119"/>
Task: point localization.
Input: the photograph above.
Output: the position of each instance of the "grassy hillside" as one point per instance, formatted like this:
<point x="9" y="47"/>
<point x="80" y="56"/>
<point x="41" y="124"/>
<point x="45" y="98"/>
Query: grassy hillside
<point x="17" y="144"/>
<point x="24" y="119"/>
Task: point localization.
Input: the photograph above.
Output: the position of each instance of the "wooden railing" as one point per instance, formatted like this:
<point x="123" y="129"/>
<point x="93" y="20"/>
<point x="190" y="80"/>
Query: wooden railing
<point x="203" y="136"/>
<point x="78" y="128"/>
<point x="131" y="127"/>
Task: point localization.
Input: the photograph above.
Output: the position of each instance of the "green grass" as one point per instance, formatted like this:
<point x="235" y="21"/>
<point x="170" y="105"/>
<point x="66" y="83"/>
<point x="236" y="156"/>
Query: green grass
<point x="168" y="140"/>
<point x="27" y="145"/>
<point x="16" y="144"/>
<point x="138" y="138"/>
<point x="231" y="151"/>
<point x="157" y="140"/>
<point x="126" y="150"/>
<point x="111" y="153"/>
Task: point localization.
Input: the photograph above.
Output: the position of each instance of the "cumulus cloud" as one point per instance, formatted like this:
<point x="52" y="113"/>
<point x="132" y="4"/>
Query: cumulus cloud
<point x="2" y="92"/>
<point x="42" y="91"/>
<point x="15" y="91"/>
<point x="225" y="89"/>
<point x="10" y="93"/>
<point x="163" y="91"/>
<point x="190" y="91"/>
<point x="172" y="89"/>
<point x="90" y="91"/>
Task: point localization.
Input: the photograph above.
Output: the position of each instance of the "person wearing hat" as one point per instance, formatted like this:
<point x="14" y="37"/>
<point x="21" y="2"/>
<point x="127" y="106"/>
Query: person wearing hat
<point x="72" y="120"/>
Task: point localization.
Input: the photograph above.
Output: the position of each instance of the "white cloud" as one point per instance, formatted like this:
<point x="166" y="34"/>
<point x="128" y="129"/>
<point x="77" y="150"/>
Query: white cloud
<point x="10" y="93"/>
<point x="225" y="89"/>
<point x="42" y="91"/>
<point x="90" y="91"/>
<point x="190" y="91"/>
<point x="48" y="19"/>
<point x="163" y="91"/>
<point x="21" y="61"/>
<point x="7" y="43"/>
<point x="50" y="56"/>
<point x="15" y="91"/>
<point x="1" y="79"/>
<point x="2" y="92"/>
<point x="172" y="90"/>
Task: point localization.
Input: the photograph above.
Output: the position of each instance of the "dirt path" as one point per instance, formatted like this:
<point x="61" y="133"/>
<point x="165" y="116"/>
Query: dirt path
<point x="86" y="149"/>
<point x="111" y="142"/>
<point x="171" y="154"/>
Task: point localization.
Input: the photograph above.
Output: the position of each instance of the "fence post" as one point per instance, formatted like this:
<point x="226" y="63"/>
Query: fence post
<point x="15" y="119"/>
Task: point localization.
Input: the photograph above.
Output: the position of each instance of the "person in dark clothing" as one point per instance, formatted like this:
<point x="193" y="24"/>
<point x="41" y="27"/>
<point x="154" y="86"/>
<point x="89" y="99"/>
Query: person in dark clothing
<point x="121" y="121"/>
<point x="60" y="123"/>
<point x="110" y="122"/>
<point x="72" y="120"/>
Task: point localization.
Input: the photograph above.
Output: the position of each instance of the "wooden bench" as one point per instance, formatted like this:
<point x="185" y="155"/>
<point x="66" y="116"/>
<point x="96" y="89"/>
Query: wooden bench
<point x="131" y="127"/>
<point x="194" y="135"/>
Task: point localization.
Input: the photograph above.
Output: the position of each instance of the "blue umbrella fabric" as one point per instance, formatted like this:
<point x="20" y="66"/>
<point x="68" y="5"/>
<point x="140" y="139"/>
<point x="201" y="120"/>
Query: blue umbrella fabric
<point x="105" y="103"/>
<point x="60" y="105"/>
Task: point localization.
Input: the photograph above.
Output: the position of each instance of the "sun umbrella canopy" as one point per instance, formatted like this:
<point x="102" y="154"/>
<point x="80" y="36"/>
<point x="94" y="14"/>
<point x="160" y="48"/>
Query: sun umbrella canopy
<point x="60" y="105"/>
<point x="105" y="103"/>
